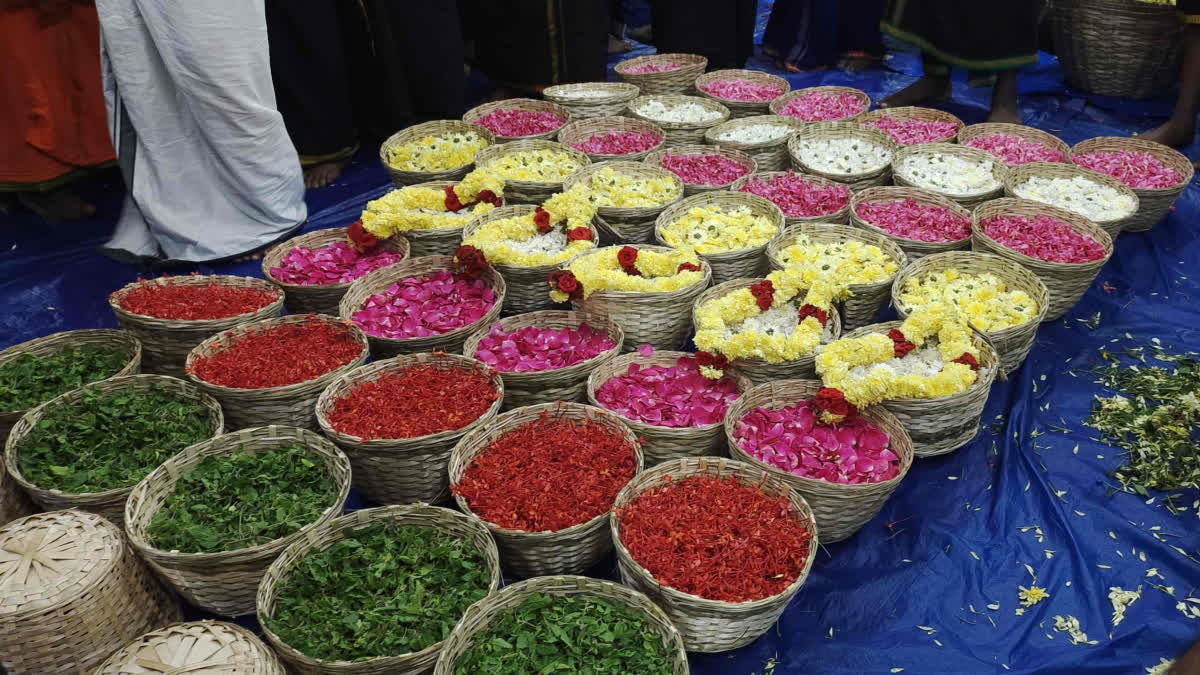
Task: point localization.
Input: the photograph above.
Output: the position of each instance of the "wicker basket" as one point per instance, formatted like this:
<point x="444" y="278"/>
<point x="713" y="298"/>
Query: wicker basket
<point x="13" y="502"/>
<point x="403" y="470"/>
<point x="661" y="320"/>
<point x="627" y="224"/>
<point x="758" y="370"/>
<point x="1153" y="203"/>
<point x="482" y="613"/>
<point x="110" y="503"/>
<point x="865" y="300"/>
<point x="534" y="554"/>
<point x="840" y="216"/>
<point x="680" y="133"/>
<point x="1012" y="344"/>
<point x="967" y="200"/>
<point x="1019" y="130"/>
<point x="660" y="444"/>
<point x="840" y="510"/>
<point x="324" y="298"/>
<point x="915" y="250"/>
<point x="770" y="155"/>
<point x="444" y="521"/>
<point x="547" y="386"/>
<point x="50" y="345"/>
<point x="906" y="113"/>
<point x="378" y="281"/>
<point x="1117" y="47"/>
<point x="655" y="159"/>
<point x="579" y="131"/>
<point x="400" y="177"/>
<point x="166" y="342"/>
<point x="817" y="131"/>
<point x="780" y="103"/>
<point x="422" y="242"/>
<point x="938" y="426"/>
<point x="1066" y="282"/>
<point x="528" y="191"/>
<point x="711" y="625"/>
<point x="742" y="108"/>
<point x="1019" y="174"/>
<point x="87" y="596"/>
<point x="747" y="262"/>
<point x="473" y="115"/>
<point x="677" y="81"/>
<point x="617" y="96"/>
<point x="198" y="646"/>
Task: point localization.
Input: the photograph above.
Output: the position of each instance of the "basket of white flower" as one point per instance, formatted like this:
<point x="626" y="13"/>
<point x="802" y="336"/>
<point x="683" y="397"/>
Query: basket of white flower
<point x="763" y="137"/>
<point x="847" y="152"/>
<point x="683" y="119"/>
<point x="969" y="176"/>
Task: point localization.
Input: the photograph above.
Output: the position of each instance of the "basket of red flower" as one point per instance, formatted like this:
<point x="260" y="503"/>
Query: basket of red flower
<point x="721" y="546"/>
<point x="703" y="168"/>
<point x="543" y="479"/>
<point x="801" y="197"/>
<point x="1157" y="174"/>
<point x="516" y="119"/>
<point x="398" y="419"/>
<point x="662" y="73"/>
<point x="616" y="137"/>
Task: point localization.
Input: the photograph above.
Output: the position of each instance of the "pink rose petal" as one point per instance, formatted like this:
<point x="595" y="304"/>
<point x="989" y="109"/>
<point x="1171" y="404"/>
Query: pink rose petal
<point x="909" y="219"/>
<point x="425" y="306"/>
<point x="1140" y="170"/>
<point x="515" y="122"/>
<point x="913" y="131"/>
<point x="535" y="349"/>
<point x="651" y="68"/>
<point x="618" y="143"/>
<point x="336" y="263"/>
<point x="1014" y="150"/>
<point x="798" y="196"/>
<point x="704" y="169"/>
<point x="676" y="396"/>
<point x="1043" y="237"/>
<point x="742" y="90"/>
<point x="816" y="106"/>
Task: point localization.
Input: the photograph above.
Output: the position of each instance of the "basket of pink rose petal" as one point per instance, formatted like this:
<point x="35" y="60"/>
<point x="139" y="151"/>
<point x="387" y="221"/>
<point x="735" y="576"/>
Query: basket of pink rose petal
<point x="315" y="269"/>
<point x="918" y="221"/>
<point x="1156" y="174"/>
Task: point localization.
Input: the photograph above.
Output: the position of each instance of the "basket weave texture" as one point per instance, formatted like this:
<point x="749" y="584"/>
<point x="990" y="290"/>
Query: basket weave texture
<point x="1153" y="203"/>
<point x="770" y="155"/>
<point x="909" y="112"/>
<point x="915" y="250"/>
<point x="747" y="262"/>
<point x="473" y="115"/>
<point x="627" y="224"/>
<point x="778" y="104"/>
<point x="528" y="191"/>
<point x="13" y="502"/>
<point x="1117" y="47"/>
<point x="579" y="131"/>
<point x="678" y="81"/>
<point x="838" y="217"/>
<point x="1019" y="130"/>
<point x="655" y="159"/>
<point x="322" y="299"/>
<point x="619" y="94"/>
<point x="198" y="646"/>
<point x="971" y="200"/>
<point x="817" y="131"/>
<point x="1019" y="174"/>
<point x="680" y="133"/>
<point x="400" y="177"/>
<point x="743" y="108"/>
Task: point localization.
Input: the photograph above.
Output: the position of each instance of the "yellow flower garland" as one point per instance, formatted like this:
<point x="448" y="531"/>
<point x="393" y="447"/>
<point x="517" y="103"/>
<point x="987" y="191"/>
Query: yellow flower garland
<point x="983" y="299"/>
<point x="851" y="262"/>
<point x="496" y="239"/>
<point x="600" y="271"/>
<point x="711" y="229"/>
<point x="538" y="166"/>
<point x="415" y="207"/>
<point x="437" y="153"/>
<point x="611" y="188"/>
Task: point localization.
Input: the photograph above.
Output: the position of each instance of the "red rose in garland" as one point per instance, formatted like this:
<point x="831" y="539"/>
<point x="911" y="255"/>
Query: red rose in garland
<point x="834" y="402"/>
<point x="627" y="257"/>
<point x="452" y="203"/>
<point x="901" y="349"/>
<point x="896" y="336"/>
<point x="688" y="267"/>
<point x="564" y="281"/>
<point x="764" y="294"/>
<point x="968" y="360"/>
<point x="807" y="310"/>
<point x="717" y="361"/>
<point x="541" y="218"/>
<point x="489" y="197"/>
<point x="579" y="234"/>
<point x="358" y="235"/>
<point x="469" y="261"/>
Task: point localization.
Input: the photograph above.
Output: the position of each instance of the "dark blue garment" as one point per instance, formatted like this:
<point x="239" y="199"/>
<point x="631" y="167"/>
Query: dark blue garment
<point x="814" y="33"/>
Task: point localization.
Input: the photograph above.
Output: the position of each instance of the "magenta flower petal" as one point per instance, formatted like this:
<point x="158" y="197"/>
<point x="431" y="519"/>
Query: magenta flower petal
<point x="1140" y="170"/>
<point x="909" y="219"/>
<point x="1044" y="238"/>
<point x="425" y="306"/>
<point x="742" y="90"/>
<point x="816" y="106"/>
<point x="798" y="196"/>
<point x="676" y="396"/>
<point x="1014" y="150"/>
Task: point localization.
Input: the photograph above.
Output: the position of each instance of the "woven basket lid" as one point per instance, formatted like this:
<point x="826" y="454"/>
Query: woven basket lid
<point x="198" y="646"/>
<point x="49" y="559"/>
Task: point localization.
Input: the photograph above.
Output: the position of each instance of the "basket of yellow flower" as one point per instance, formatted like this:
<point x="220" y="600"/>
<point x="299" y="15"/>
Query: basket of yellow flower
<point x="612" y="138"/>
<point x="1100" y="198"/>
<point x="1156" y="173"/>
<point x="662" y="73"/>
<point x="310" y="268"/>
<point x="998" y="297"/>
<point x="910" y="125"/>
<point x="703" y="168"/>
<point x="518" y="119"/>
<point x="846" y="152"/>
<point x="730" y="230"/>
<point x="920" y="222"/>
<point x="592" y="99"/>
<point x="431" y="151"/>
<point x="531" y="170"/>
<point x="803" y="198"/>
<point x="763" y="137"/>
<point x="744" y="92"/>
<point x="431" y="215"/>
<point x="628" y="197"/>
<point x="967" y="175"/>
<point x="868" y="262"/>
<point x="683" y="119"/>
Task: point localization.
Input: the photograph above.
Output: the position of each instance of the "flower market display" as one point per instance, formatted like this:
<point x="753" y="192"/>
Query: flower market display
<point x="1015" y="150"/>
<point x="28" y="380"/>
<point x="846" y="156"/>
<point x="947" y="173"/>
<point x="534" y="165"/>
<point x="1140" y="170"/>
<point x="742" y="90"/>
<point x="421" y="306"/>
<point x="435" y="153"/>
<point x="682" y="112"/>
<point x="984" y="300"/>
<point x="1043" y="237"/>
<point x="1096" y="202"/>
<point x="190" y="302"/>
<point x="820" y="106"/>
<point x="914" y="130"/>
<point x="675" y="396"/>
<point x="618" y="142"/>
<point x="713" y="228"/>
<point x="651" y="68"/>
<point x="517" y="122"/>
<point x="613" y="188"/>
<point x="336" y="263"/>
<point x="556" y="231"/>
<point x="267" y="358"/>
<point x="849" y="262"/>
<point x="420" y="207"/>
<point x="799" y="196"/>
<point x="909" y="219"/>
<point x="534" y="349"/>
<point x="625" y="268"/>
<point x="751" y="134"/>
<point x="712" y="169"/>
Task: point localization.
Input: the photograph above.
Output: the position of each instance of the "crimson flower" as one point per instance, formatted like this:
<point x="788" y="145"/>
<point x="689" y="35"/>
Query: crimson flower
<point x="834" y="402"/>
<point x="489" y="197"/>
<point x="564" y="281"/>
<point x="627" y="256"/>
<point x="901" y="349"/>
<point x="968" y="360"/>
<point x="452" y="203"/>
<point x="689" y="267"/>
<point x="896" y="335"/>
<point x="718" y="361"/>
<point x="807" y="310"/>
<point x="764" y="293"/>
<point x="469" y="261"/>
<point x="541" y="218"/>
<point x="579" y="234"/>
<point x="359" y="236"/>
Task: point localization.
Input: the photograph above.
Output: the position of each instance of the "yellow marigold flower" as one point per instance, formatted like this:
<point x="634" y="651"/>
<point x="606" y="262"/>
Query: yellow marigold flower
<point x="711" y="229"/>
<point x="983" y="299"/>
<point x="537" y="166"/>
<point x="599" y="270"/>
<point x="610" y="188"/>
<point x="848" y="262"/>
<point x="516" y="241"/>
<point x="437" y="153"/>
<point x="733" y="325"/>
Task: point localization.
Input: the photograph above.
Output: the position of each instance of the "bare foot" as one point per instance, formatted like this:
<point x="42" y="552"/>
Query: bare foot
<point x="1004" y="114"/>
<point x="857" y="61"/>
<point x="320" y="175"/>
<point x="60" y="204"/>
<point x="1171" y="133"/>
<point x="924" y="89"/>
<point x="1004" y="99"/>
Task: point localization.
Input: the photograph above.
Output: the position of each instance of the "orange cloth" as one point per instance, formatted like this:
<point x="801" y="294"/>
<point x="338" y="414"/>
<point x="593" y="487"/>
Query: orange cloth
<point x="52" y="116"/>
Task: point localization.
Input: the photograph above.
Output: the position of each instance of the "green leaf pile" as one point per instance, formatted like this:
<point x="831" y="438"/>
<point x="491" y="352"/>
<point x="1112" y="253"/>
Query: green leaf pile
<point x="27" y="381"/>
<point x="567" y="634"/>
<point x="385" y="590"/>
<point x="235" y="501"/>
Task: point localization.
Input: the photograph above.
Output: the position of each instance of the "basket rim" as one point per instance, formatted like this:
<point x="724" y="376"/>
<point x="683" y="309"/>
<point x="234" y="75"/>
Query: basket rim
<point x="891" y="193"/>
<point x="711" y="133"/>
<point x="788" y="236"/>
<point x="780" y="102"/>
<point x="683" y="59"/>
<point x="286" y="246"/>
<point x="1072" y="219"/>
<point x="129" y="344"/>
<point x="656" y="157"/>
<point x="513" y="211"/>
<point x="1017" y="176"/>
<point x="702" y="101"/>
<point x="598" y="321"/>
<point x="999" y="168"/>
<point x="1141" y="145"/>
<point x="705" y="269"/>
<point x="114" y="299"/>
<point x="758" y="204"/>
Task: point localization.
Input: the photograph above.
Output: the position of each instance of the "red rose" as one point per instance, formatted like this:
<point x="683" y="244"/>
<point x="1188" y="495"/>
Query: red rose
<point x="579" y="234"/>
<point x="687" y="266"/>
<point x="541" y="218"/>
<point x="807" y="310"/>
<point x="834" y="402"/>
<point x="489" y="197"/>
<point x="452" y="203"/>
<point x="469" y="261"/>
<point x="359" y="236"/>
<point x="901" y="349"/>
<point x="968" y="360"/>
<point x="764" y="293"/>
<point x="896" y="335"/>
<point x="564" y="281"/>
<point x="718" y="361"/>
<point x="627" y="256"/>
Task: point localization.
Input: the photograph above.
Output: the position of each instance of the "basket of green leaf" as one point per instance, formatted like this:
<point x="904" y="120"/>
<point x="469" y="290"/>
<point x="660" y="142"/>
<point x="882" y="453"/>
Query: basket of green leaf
<point x="564" y="624"/>
<point x="87" y="448"/>
<point x="376" y="591"/>
<point x="211" y="519"/>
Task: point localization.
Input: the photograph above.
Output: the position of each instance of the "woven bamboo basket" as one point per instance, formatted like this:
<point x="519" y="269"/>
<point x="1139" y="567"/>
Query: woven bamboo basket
<point x="86" y="596"/>
<point x="401" y="177"/>
<point x="1066" y="282"/>
<point x="906" y="113"/>
<point x="780" y="103"/>
<point x="660" y="444"/>
<point x="770" y="155"/>
<point x="865" y="300"/>
<point x="758" y="370"/>
<point x="1019" y="130"/>
<point x="197" y="646"/>
<point x="1153" y="203"/>
<point x="1117" y="47"/>
<point x="443" y="520"/>
<point x="547" y="386"/>
<point x="573" y="97"/>
<point x="743" y="108"/>
<point x="677" y="81"/>
<point x="627" y="224"/>
<point x="224" y="582"/>
<point x="13" y="502"/>
<point x="378" y="281"/>
<point x="655" y="159"/>
<point x="915" y="250"/>
<point x="528" y="191"/>
<point x="709" y="626"/>
<point x="314" y="299"/>
<point x="1019" y="174"/>
<point x="110" y="503"/>
<point x="680" y="133"/>
<point x="424" y="242"/>
<point x="967" y="200"/>
<point x="50" y="345"/>
<point x="1012" y="344"/>
<point x="818" y="131"/>
<point x="290" y="405"/>
<point x="660" y="320"/>
<point x="579" y="131"/>
<point x="482" y="613"/>
<point x="938" y="426"/>
<point x="840" y="510"/>
<point x="403" y="470"/>
<point x="533" y="554"/>
<point x="473" y="115"/>
<point x="166" y="342"/>
<point x="747" y="262"/>
<point x="839" y="217"/>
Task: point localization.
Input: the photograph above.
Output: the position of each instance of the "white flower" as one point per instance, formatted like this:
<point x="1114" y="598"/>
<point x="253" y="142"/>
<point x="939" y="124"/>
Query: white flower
<point x="584" y="93"/>
<point x="677" y="112"/>
<point x="1087" y="198"/>
<point x="1121" y="599"/>
<point x="1163" y="667"/>
<point x="1070" y="626"/>
<point x="947" y="173"/>
<point x="844" y="156"/>
<point x="756" y="133"/>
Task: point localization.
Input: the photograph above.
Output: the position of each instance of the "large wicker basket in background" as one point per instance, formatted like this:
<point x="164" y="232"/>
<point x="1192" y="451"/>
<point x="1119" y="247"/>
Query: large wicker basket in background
<point x="578" y="132"/>
<point x="323" y="298"/>
<point x="914" y="249"/>
<point x="780" y="103"/>
<point x="1019" y="174"/>
<point x="473" y="115"/>
<point x="676" y="81"/>
<point x="627" y="224"/>
<point x="831" y="130"/>
<point x="840" y="216"/>
<point x="199" y="646"/>
<point x="906" y="113"/>
<point x="1020" y="131"/>
<point x="529" y="191"/>
<point x="967" y="200"/>
<point x="1119" y="48"/>
<point x="655" y="159"/>
<point x="571" y="96"/>
<point x="770" y="155"/>
<point x="13" y="502"/>
<point x="743" y="108"/>
<point x="1153" y="203"/>
<point x="402" y="177"/>
<point x="728" y="265"/>
<point x="680" y="133"/>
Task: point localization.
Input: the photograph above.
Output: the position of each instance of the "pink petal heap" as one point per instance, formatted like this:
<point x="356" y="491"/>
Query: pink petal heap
<point x="1044" y="238"/>
<point x="519" y="122"/>
<point x="742" y="90"/>
<point x="1138" y="170"/>
<point x="532" y="349"/>
<point x="651" y="68"/>
<point x="710" y="169"/>
<point x="1014" y="150"/>
<point x="914" y="131"/>
<point x="794" y="440"/>
<point x="909" y="219"/>
<point x="618" y="143"/>
<point x="676" y="396"/>
<point x="424" y="306"/>
<point x="799" y="197"/>
<point x="337" y="263"/>
<point x="816" y="106"/>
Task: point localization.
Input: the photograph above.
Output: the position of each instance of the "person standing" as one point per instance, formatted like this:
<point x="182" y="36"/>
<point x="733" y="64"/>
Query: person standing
<point x="1180" y="129"/>
<point x="720" y="30"/>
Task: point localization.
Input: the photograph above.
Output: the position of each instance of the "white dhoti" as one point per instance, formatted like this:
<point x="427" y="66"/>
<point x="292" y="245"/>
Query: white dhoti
<point x="211" y="170"/>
